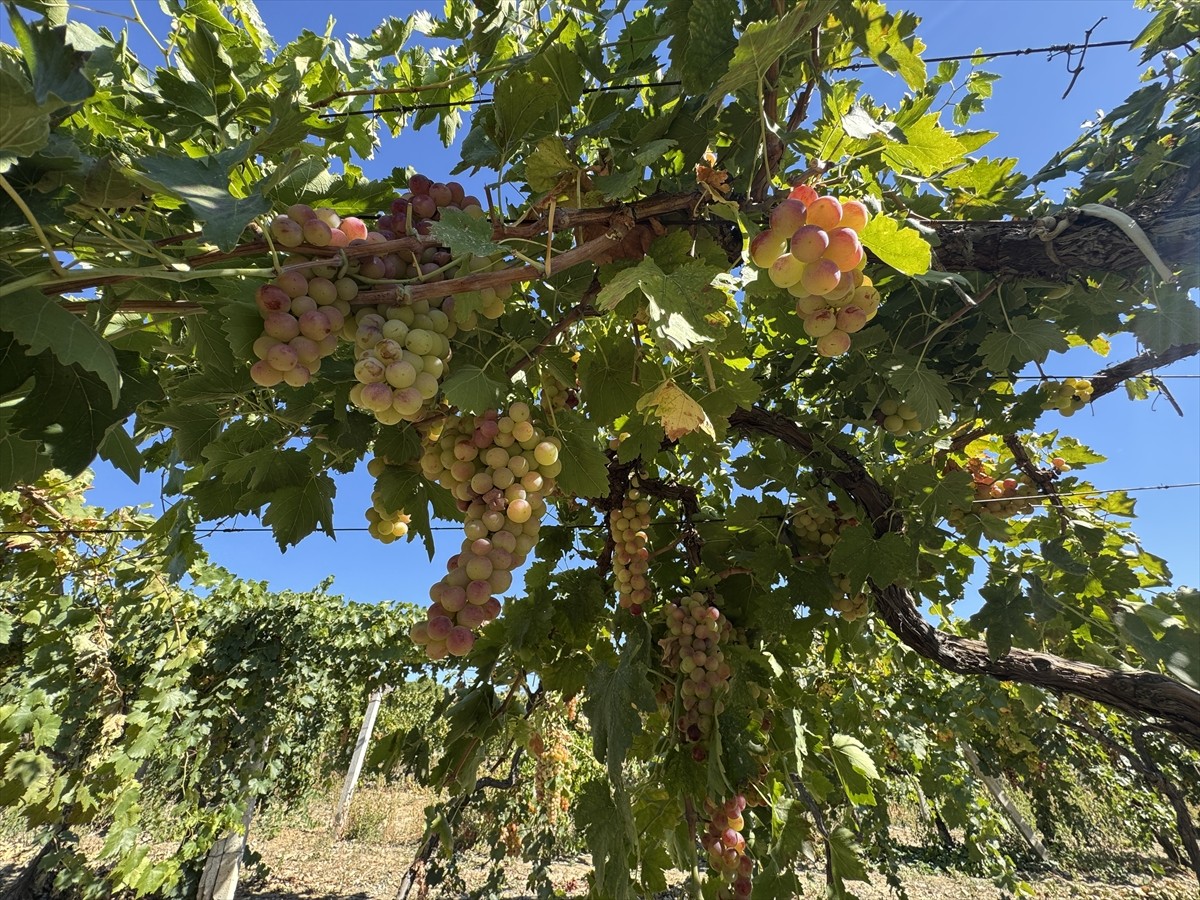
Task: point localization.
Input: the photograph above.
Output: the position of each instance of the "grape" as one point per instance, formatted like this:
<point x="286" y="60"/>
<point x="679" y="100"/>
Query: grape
<point x="301" y="305"/>
<point x="355" y="228"/>
<point x="845" y="249"/>
<point x="282" y="357"/>
<point x="272" y="299"/>
<point x="264" y="374"/>
<point x="825" y="212"/>
<point x="766" y="247"/>
<point x="809" y="242"/>
<point x="820" y="323"/>
<point x="786" y="271"/>
<point x="297" y="376"/>
<point x="627" y="526"/>
<point x="317" y="233"/>
<point x="788" y="216"/>
<point x="854" y="216"/>
<point x="835" y="343"/>
<point x="851" y="319"/>
<point x="315" y="325"/>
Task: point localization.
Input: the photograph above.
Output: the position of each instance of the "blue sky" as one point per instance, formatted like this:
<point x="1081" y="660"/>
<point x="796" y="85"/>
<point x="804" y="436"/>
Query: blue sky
<point x="1147" y="443"/>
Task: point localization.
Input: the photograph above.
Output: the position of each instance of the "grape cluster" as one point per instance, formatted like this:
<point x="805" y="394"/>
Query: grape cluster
<point x="320" y="227"/>
<point x="1005" y="497"/>
<point x="1068" y="396"/>
<point x="818" y="525"/>
<point x="499" y="469"/>
<point x="401" y="357"/>
<point x="849" y="606"/>
<point x="813" y="250"/>
<point x="898" y="417"/>
<point x="414" y="211"/>
<point x="559" y="394"/>
<point x="383" y="523"/>
<point x="692" y="647"/>
<point x="631" y="557"/>
<point x="726" y="847"/>
<point x="301" y="320"/>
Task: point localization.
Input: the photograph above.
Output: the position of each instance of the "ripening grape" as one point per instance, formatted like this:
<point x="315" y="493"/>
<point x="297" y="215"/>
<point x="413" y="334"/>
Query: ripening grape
<point x="728" y="857"/>
<point x="850" y="607"/>
<point x="631" y="556"/>
<point x="696" y="630"/>
<point x="897" y="417"/>
<point x="477" y="458"/>
<point x="820" y="262"/>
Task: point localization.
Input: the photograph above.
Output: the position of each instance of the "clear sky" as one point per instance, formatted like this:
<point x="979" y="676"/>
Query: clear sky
<point x="1147" y="444"/>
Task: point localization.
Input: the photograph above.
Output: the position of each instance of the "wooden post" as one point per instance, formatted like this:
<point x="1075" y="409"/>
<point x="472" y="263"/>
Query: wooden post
<point x="223" y="866"/>
<point x="342" y="815"/>
<point x="1014" y="815"/>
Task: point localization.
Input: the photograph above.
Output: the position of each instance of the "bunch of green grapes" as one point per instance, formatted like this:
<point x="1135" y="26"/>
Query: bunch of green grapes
<point x="898" y="417"/>
<point x="302" y="316"/>
<point x="818" y="525"/>
<point x="726" y="847"/>
<point x="500" y="468"/>
<point x="812" y="250"/>
<point x="401" y="357"/>
<point x="692" y="648"/>
<point x="631" y="556"/>
<point x="850" y="606"/>
<point x="1068" y="396"/>
<point x="384" y="523"/>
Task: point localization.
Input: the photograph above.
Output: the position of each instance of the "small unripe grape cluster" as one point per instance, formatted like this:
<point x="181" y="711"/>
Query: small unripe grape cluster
<point x="696" y="629"/>
<point x="302" y="317"/>
<point x="1068" y="396"/>
<point x="812" y="250"/>
<point x="631" y="556"/>
<point x="556" y="393"/>
<point x="499" y="469"/>
<point x="401" y="356"/>
<point x="819" y="525"/>
<point x="383" y="523"/>
<point x="849" y="606"/>
<point x="726" y="847"/>
<point x="898" y="417"/>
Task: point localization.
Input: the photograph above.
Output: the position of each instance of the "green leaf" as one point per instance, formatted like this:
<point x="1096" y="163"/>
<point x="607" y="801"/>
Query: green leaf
<point x="609" y="839"/>
<point x="520" y="101"/>
<point x="399" y="487"/>
<point x="860" y="555"/>
<point x="677" y="301"/>
<point x="616" y="697"/>
<point x="762" y="43"/>
<point x="546" y="165"/>
<point x="1026" y="340"/>
<point x="465" y="235"/>
<point x="119" y="449"/>
<point x="703" y="41"/>
<point x="584" y="466"/>
<point x="927" y="148"/>
<point x="296" y="511"/>
<point x="606" y="378"/>
<point x="923" y="389"/>
<point x="854" y="767"/>
<point x="24" y="125"/>
<point x="203" y="184"/>
<point x="472" y="390"/>
<point x="39" y="323"/>
<point x="901" y="248"/>
<point x="845" y="858"/>
<point x="54" y="65"/>
<point x="1175" y="320"/>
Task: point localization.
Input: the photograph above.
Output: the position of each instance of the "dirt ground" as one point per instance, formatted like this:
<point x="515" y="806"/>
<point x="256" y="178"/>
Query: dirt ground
<point x="303" y="862"/>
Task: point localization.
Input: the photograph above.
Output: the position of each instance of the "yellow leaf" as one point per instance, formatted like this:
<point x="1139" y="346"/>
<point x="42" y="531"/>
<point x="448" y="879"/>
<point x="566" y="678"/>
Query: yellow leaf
<point x="678" y="413"/>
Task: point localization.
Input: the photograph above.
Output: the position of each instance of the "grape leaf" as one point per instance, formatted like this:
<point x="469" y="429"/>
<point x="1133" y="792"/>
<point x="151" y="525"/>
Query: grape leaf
<point x="860" y="555"/>
<point x="463" y="234"/>
<point x="674" y="299"/>
<point x="923" y="389"/>
<point x="606" y="379"/>
<point x="119" y="449"/>
<point x="901" y="248"/>
<point x="845" y="859"/>
<point x="703" y="41"/>
<point x="927" y="148"/>
<point x="203" y="184"/>
<point x="548" y="163"/>
<point x="24" y="125"/>
<point x="1174" y="321"/>
<point x="520" y="101"/>
<point x="1026" y="340"/>
<point x="472" y="390"/>
<point x="401" y="488"/>
<point x="54" y="65"/>
<point x="39" y="323"/>
<point x="614" y="698"/>
<point x="608" y="837"/>
<point x="762" y="43"/>
<point x="297" y="510"/>
<point x="855" y="768"/>
<point x="584" y="467"/>
<point x="676" y="410"/>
